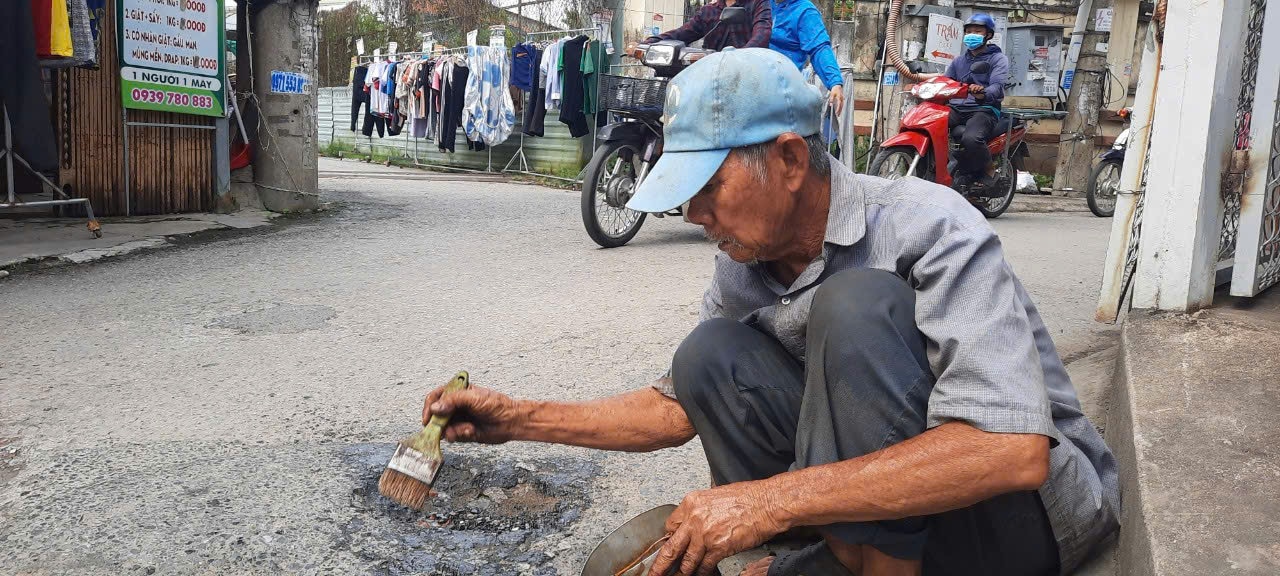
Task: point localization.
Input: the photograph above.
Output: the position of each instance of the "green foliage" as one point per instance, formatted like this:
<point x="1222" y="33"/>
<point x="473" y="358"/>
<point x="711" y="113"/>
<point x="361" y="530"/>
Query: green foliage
<point x="1044" y="180"/>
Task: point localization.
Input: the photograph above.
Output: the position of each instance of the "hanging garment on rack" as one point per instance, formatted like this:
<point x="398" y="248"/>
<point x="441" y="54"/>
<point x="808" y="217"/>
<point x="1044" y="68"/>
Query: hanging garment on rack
<point x="358" y="96"/>
<point x="572" y="102"/>
<point x="84" y="51"/>
<point x="21" y="93"/>
<point x="591" y="57"/>
<point x="421" y="100"/>
<point x="551" y="69"/>
<point x="97" y="12"/>
<point x="535" y="112"/>
<point x="524" y="57"/>
<point x="454" y="94"/>
<point x="51" y="23"/>
<point x="489" y="115"/>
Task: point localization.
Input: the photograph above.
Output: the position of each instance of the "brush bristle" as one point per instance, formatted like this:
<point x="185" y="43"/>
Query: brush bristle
<point x="404" y="489"/>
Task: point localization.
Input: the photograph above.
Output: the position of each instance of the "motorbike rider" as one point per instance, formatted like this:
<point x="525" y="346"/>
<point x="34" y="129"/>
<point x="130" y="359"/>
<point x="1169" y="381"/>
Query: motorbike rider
<point x="705" y="25"/>
<point x="800" y="35"/>
<point x="979" y="112"/>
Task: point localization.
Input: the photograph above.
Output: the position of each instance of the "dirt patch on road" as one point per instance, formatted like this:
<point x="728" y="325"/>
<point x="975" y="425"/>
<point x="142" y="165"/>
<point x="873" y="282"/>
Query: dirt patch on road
<point x="487" y="520"/>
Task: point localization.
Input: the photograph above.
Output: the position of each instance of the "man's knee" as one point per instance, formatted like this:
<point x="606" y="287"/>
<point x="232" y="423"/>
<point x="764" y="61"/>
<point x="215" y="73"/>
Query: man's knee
<point x="856" y="294"/>
<point x="703" y="355"/>
<point x="973" y="139"/>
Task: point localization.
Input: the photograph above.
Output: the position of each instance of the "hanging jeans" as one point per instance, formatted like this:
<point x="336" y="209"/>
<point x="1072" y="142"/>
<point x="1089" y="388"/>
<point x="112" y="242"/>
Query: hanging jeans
<point x="454" y="100"/>
<point x="535" y="113"/>
<point x="358" y="95"/>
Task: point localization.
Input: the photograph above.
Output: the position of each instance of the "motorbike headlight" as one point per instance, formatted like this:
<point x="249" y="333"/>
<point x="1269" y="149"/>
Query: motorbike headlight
<point x="659" y="55"/>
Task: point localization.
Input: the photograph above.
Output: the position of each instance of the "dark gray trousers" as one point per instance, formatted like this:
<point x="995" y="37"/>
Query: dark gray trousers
<point x="865" y="386"/>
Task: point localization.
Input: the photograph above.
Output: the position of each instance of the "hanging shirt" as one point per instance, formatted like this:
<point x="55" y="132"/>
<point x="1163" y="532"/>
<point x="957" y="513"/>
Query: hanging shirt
<point x="523" y="57"/>
<point x="590" y="65"/>
<point x="551" y="68"/>
<point x="799" y="34"/>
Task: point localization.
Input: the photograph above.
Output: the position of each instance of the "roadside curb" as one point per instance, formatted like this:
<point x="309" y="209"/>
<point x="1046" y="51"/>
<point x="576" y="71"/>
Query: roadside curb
<point x="62" y="241"/>
<point x="1191" y="428"/>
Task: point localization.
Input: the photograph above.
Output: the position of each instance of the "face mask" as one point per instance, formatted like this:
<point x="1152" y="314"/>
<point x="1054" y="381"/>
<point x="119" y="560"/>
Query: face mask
<point x="972" y="41"/>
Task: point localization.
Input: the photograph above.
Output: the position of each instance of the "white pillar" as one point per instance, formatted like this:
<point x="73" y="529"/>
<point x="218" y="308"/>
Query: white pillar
<point x="1191" y="146"/>
<point x="1123" y="246"/>
<point x="1260" y="203"/>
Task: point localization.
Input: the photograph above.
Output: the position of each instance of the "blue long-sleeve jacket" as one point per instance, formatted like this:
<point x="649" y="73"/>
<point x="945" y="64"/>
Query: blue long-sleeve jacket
<point x="798" y="34"/>
<point x="960" y="71"/>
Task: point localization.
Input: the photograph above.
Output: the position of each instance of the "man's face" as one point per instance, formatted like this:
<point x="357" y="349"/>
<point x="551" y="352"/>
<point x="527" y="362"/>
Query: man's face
<point x="977" y="29"/>
<point x="741" y="214"/>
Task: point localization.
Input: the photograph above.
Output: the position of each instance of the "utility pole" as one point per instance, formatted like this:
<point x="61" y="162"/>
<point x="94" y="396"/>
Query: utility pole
<point x="1075" y="147"/>
<point x="282" y="37"/>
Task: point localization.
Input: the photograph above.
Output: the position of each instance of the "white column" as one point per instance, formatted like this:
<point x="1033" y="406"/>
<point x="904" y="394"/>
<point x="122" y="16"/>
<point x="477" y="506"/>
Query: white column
<point x="1261" y="198"/>
<point x="1190" y="149"/>
<point x="1123" y="241"/>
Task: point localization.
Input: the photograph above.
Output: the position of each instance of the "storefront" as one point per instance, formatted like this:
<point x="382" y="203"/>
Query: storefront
<point x="135" y="134"/>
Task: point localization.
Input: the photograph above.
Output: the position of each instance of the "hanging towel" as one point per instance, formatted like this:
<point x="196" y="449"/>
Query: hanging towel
<point x="56" y="29"/>
<point x="84" y="50"/>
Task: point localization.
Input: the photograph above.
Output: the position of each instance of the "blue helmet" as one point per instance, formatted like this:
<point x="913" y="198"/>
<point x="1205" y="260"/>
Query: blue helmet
<point x="983" y="20"/>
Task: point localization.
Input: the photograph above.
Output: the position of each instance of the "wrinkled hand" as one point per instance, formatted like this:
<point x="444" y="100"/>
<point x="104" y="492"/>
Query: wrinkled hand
<point x="837" y="99"/>
<point x="978" y="91"/>
<point x="711" y="525"/>
<point x="475" y="414"/>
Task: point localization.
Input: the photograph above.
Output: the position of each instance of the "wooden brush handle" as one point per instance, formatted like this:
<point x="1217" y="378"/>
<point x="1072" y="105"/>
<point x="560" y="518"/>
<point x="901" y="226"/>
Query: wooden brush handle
<point x="435" y="426"/>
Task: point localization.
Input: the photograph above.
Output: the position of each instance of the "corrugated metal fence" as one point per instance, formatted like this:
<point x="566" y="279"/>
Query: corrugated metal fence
<point x="170" y="168"/>
<point x="556" y="153"/>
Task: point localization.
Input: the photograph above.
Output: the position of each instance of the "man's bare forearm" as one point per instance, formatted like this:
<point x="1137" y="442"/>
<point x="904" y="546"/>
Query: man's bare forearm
<point x="948" y="467"/>
<point x="638" y="421"/>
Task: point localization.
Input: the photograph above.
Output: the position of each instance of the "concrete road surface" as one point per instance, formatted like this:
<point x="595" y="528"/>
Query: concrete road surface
<point x="227" y="406"/>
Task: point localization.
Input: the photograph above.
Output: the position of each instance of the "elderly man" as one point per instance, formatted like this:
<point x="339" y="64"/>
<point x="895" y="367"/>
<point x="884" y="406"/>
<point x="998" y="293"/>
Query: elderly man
<point x="867" y="364"/>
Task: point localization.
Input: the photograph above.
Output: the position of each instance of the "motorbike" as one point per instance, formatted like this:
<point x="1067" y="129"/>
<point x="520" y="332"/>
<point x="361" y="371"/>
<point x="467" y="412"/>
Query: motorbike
<point x="1104" y="182"/>
<point x="924" y="146"/>
<point x="627" y="148"/>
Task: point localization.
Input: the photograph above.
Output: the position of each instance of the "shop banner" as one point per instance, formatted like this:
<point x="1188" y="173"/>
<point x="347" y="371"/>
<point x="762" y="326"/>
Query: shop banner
<point x="944" y="40"/>
<point x="171" y="55"/>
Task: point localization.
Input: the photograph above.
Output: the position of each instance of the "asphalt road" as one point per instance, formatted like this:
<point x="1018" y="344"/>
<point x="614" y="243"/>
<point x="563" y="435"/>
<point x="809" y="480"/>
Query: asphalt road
<point x="224" y="406"/>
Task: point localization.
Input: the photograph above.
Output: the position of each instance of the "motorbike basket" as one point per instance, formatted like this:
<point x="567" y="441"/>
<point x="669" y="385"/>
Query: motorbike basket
<point x="638" y="96"/>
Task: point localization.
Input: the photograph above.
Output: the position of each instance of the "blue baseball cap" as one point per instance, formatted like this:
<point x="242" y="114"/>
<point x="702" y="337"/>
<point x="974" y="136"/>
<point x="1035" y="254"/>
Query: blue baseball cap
<point x="724" y="101"/>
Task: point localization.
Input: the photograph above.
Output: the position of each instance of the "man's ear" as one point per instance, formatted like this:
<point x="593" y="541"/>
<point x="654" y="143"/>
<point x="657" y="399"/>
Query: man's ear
<point x="790" y="155"/>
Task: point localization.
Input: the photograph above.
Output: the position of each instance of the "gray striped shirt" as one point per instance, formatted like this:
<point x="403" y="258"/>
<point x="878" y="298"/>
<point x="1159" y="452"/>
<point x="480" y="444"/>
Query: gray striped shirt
<point x="995" y="364"/>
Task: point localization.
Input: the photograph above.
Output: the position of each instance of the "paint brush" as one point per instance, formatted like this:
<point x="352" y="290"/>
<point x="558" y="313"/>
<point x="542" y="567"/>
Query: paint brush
<point x="417" y="459"/>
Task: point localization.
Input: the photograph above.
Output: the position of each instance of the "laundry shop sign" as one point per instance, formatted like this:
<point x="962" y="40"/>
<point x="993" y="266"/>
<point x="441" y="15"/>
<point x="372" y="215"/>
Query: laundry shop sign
<point x="172" y="55"/>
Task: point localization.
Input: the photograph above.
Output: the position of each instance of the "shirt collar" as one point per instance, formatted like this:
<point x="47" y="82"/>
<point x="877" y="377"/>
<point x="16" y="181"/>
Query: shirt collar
<point x="847" y="215"/>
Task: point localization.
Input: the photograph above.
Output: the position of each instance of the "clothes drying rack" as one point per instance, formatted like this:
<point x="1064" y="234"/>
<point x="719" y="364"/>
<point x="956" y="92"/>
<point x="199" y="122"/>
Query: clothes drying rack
<point x="61" y="198"/>
<point x="417" y="161"/>
<point x="523" y="166"/>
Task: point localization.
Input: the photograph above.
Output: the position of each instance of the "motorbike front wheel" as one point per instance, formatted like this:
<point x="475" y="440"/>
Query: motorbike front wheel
<point x="608" y="184"/>
<point x="1103" y="184"/>
<point x="893" y="162"/>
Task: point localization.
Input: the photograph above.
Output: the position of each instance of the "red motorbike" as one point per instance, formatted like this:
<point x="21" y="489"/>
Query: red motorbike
<point x="924" y="146"/>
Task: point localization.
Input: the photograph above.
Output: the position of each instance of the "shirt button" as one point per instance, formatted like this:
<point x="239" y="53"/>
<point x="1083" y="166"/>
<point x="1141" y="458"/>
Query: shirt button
<point x="785" y="300"/>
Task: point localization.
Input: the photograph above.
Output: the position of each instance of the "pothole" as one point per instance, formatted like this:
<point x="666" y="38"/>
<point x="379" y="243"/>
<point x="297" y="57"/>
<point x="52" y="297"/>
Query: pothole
<point x="277" y="319"/>
<point x="489" y="515"/>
